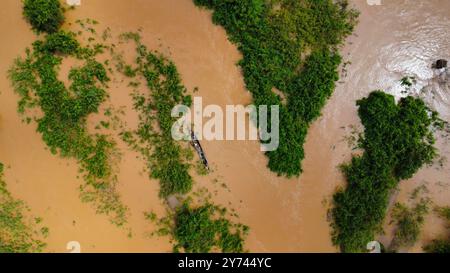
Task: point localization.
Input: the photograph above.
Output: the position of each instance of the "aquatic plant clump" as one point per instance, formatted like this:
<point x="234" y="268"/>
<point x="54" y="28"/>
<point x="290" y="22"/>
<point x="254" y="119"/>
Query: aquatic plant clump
<point x="167" y="160"/>
<point x="201" y="229"/>
<point x="43" y="15"/>
<point x="65" y="110"/>
<point x="204" y="228"/>
<point x="17" y="232"/>
<point x="441" y="245"/>
<point x="291" y="46"/>
<point x="409" y="222"/>
<point x="397" y="142"/>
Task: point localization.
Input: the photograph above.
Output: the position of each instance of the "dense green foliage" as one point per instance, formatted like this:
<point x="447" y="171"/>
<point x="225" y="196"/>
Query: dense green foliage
<point x="166" y="158"/>
<point x="17" y="234"/>
<point x="44" y="15"/>
<point x="65" y="110"/>
<point x="60" y="42"/>
<point x="397" y="142"/>
<point x="289" y="45"/>
<point x="204" y="228"/>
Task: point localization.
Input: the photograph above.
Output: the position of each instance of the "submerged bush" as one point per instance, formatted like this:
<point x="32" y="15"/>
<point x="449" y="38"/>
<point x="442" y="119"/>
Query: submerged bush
<point x="43" y="15"/>
<point x="289" y="45"/>
<point x="397" y="142"/>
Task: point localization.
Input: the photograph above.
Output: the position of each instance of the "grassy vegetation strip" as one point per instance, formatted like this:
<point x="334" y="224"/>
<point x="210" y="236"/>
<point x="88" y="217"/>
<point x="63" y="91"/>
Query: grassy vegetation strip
<point x="201" y="228"/>
<point x="17" y="233"/>
<point x="167" y="160"/>
<point x="64" y="111"/>
<point x="289" y="45"/>
<point x="397" y="142"/>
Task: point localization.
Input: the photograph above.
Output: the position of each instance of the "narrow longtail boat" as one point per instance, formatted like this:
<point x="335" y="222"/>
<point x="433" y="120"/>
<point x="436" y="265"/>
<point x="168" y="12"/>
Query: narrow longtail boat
<point x="196" y="144"/>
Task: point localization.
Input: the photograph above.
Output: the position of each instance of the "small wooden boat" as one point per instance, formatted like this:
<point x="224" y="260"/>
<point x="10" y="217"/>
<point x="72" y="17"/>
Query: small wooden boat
<point x="196" y="144"/>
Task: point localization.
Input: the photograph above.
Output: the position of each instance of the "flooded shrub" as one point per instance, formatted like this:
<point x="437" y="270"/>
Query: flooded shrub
<point x="289" y="45"/>
<point x="397" y="142"/>
<point x="43" y="15"/>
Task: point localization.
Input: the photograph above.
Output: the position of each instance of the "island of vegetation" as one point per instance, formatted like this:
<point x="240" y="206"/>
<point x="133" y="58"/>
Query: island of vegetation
<point x="398" y="140"/>
<point x="290" y="59"/>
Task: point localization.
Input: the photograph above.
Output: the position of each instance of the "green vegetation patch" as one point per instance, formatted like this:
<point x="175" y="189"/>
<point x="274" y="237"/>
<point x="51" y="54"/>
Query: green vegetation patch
<point x="43" y="15"/>
<point x="441" y="245"/>
<point x="444" y="212"/>
<point x="289" y="45"/>
<point x="17" y="232"/>
<point x="204" y="228"/>
<point x="201" y="229"/>
<point x="167" y="160"/>
<point x="397" y="142"/>
<point x="61" y="42"/>
<point x="438" y="246"/>
<point x="63" y="112"/>
<point x="409" y="222"/>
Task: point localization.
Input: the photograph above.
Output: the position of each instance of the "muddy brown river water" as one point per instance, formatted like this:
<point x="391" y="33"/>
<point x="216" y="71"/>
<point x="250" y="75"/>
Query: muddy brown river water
<point x="396" y="38"/>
